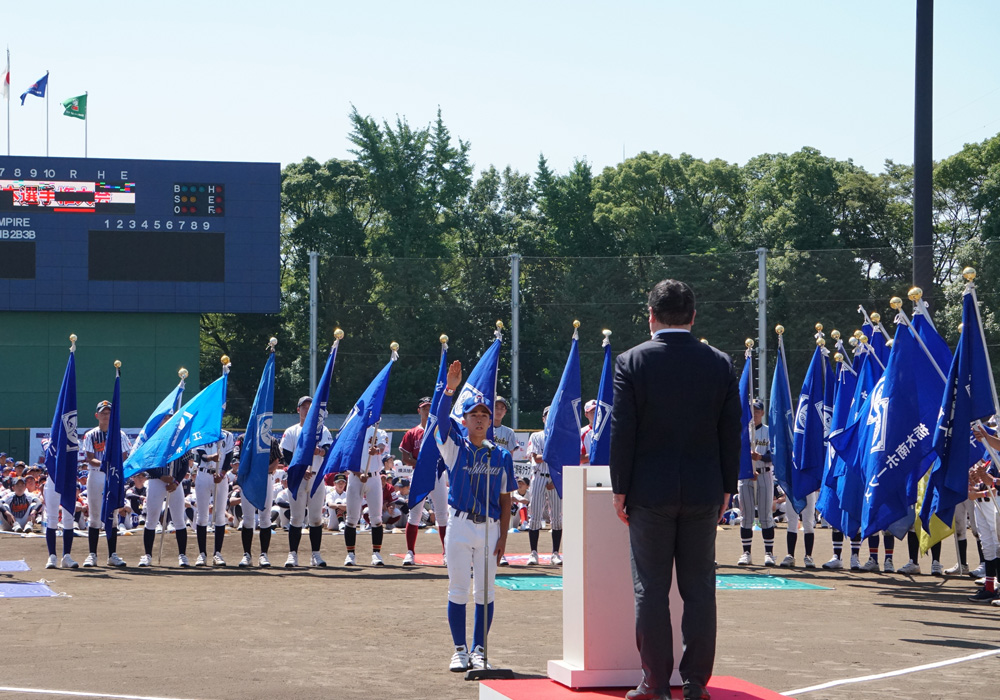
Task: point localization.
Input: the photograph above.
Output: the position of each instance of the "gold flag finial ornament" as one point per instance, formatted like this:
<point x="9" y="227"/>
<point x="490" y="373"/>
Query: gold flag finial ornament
<point x="818" y="327"/>
<point x="853" y="341"/>
<point x="895" y="303"/>
<point x="857" y="335"/>
<point x="272" y="342"/>
<point x="838" y="357"/>
<point x="876" y="317"/>
<point x="224" y="359"/>
<point x="576" y="324"/>
<point x="338" y="334"/>
<point x="705" y="341"/>
<point x="835" y="334"/>
<point x="779" y="329"/>
<point x="915" y="293"/>
<point x="969" y="274"/>
<point x="607" y="333"/>
<point x="72" y="337"/>
<point x="394" y="346"/>
<point x="821" y="342"/>
<point x="499" y="325"/>
<point x="118" y="364"/>
<point x="863" y="339"/>
<point x="748" y="342"/>
<point x="182" y="373"/>
<point x="443" y="339"/>
<point x="961" y="326"/>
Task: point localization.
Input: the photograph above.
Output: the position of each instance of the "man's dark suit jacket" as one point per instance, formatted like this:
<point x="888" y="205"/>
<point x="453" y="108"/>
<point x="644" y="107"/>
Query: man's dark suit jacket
<point x="675" y="424"/>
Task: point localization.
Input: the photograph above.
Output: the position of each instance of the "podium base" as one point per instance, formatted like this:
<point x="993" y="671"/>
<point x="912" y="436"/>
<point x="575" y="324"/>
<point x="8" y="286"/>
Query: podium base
<point x="489" y="674"/>
<point x="721" y="688"/>
<point x="573" y="676"/>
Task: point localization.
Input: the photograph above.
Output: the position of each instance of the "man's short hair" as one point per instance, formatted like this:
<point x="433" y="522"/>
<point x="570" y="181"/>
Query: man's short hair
<point x="672" y="303"/>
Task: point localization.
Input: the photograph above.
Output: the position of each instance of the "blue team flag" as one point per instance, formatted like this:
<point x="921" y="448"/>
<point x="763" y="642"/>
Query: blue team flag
<point x="37" y="88"/>
<point x="349" y="448"/>
<point x="937" y="345"/>
<point x="780" y="422"/>
<point x="746" y="399"/>
<point x="64" y="442"/>
<point x="809" y="433"/>
<point x="111" y="460"/>
<point x="600" y="443"/>
<point x="312" y="427"/>
<point x="828" y="502"/>
<point x="198" y="423"/>
<point x="968" y="396"/>
<point x="167" y="407"/>
<point x="429" y="463"/>
<point x="482" y="381"/>
<point x="255" y="458"/>
<point x="562" y="428"/>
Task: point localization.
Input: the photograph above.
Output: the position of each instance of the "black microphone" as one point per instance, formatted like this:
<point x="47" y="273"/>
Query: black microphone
<point x="489" y="445"/>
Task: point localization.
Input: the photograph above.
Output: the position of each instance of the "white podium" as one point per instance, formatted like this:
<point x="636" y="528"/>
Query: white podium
<point x="598" y="596"/>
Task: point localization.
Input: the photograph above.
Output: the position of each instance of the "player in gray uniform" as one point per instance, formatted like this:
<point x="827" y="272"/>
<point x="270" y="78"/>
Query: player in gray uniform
<point x="18" y="508"/>
<point x="211" y="486"/>
<point x="93" y="448"/>
<point x="503" y="436"/>
<point x="541" y="490"/>
<point x="757" y="492"/>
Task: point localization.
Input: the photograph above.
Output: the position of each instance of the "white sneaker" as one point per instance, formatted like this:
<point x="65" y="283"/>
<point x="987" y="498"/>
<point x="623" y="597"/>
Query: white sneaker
<point x="477" y="660"/>
<point x="245" y="561"/>
<point x="444" y="560"/>
<point x="807" y="561"/>
<point x="377" y="559"/>
<point x="979" y="571"/>
<point x="90" y="561"/>
<point x="503" y="561"/>
<point x="317" y="560"/>
<point x="744" y="560"/>
<point x="769" y="559"/>
<point x="834" y="564"/>
<point x="459" y="660"/>
<point x="870" y="565"/>
<point x="201" y="560"/>
<point x="788" y="562"/>
<point x="556" y="559"/>
<point x="27" y="528"/>
<point x="145" y="560"/>
<point x="957" y="570"/>
<point x="16" y="527"/>
<point x="292" y="561"/>
<point x="349" y="560"/>
<point x="855" y="563"/>
<point x="217" y="559"/>
<point x="68" y="563"/>
<point x="909" y="568"/>
<point x="888" y="567"/>
<point x="51" y="563"/>
<point x="182" y="561"/>
<point x="533" y="559"/>
<point x="409" y="560"/>
<point x="115" y="560"/>
<point x="263" y="562"/>
<point x="936" y="568"/>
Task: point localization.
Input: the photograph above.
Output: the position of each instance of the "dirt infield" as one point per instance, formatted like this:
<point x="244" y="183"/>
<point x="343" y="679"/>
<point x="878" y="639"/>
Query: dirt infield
<point x="382" y="633"/>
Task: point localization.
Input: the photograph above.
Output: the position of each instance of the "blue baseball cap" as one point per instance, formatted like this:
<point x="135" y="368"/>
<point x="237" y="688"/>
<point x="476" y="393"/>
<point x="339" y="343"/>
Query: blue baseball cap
<point x="473" y="401"/>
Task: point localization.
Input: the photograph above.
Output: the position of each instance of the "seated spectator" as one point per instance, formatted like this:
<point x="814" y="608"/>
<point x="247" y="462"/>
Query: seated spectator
<point x="336" y="502"/>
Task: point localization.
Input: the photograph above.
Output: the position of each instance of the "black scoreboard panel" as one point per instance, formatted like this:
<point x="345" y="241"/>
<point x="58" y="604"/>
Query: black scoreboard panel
<point x="138" y="235"/>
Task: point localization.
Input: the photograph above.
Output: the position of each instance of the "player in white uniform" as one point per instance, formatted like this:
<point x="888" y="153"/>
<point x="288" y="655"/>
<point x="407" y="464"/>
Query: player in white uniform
<point x="808" y="518"/>
<point x="211" y="486"/>
<point x="504" y="437"/>
<point x="541" y="490"/>
<point x="263" y="516"/>
<point x="365" y="484"/>
<point x="165" y="483"/>
<point x="587" y="432"/>
<point x="303" y="498"/>
<point x="409" y="448"/>
<point x="93" y="448"/>
<point x="757" y="493"/>
<point x="18" y="507"/>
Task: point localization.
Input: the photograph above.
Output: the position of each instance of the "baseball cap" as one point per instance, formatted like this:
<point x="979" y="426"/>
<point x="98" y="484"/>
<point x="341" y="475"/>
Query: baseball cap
<point x="502" y="400"/>
<point x="545" y="411"/>
<point x="386" y="457"/>
<point x="17" y="480"/>
<point x="425" y="401"/>
<point x="403" y="482"/>
<point x="102" y="405"/>
<point x="340" y="477"/>
<point x="302" y="400"/>
<point x="473" y="401"/>
<point x="590" y="405"/>
<point x="523" y="478"/>
<point x="758" y="404"/>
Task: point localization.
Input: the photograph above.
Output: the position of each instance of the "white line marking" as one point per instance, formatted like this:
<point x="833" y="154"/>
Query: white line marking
<point x="890" y="674"/>
<point x="78" y="694"/>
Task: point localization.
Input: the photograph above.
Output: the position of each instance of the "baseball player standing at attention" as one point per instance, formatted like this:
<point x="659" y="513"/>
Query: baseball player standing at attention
<point x="503" y="435"/>
<point x="409" y="448"/>
<point x="165" y="482"/>
<point x="541" y="490"/>
<point x="263" y="516"/>
<point x="93" y="446"/>
<point x="211" y="485"/>
<point x="303" y="498"/>
<point x="757" y="492"/>
<point x="477" y="517"/>
<point x="808" y="519"/>
<point x="365" y="484"/>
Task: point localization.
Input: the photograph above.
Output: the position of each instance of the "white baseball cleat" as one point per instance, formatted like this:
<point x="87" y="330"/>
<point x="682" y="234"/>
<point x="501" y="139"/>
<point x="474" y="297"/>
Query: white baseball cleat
<point x="855" y="563"/>
<point x="377" y="559"/>
<point x="27" y="528"/>
<point x="476" y="659"/>
<point x="317" y="560"/>
<point x="182" y="561"/>
<point x="349" y="560"/>
<point x="744" y="560"/>
<point x="788" y="562"/>
<point x="556" y="559"/>
<point x="115" y="560"/>
<point x="263" y="561"/>
<point x="409" y="560"/>
<point x="910" y="568"/>
<point x="68" y="563"/>
<point x="90" y="561"/>
<point x="834" y="564"/>
<point x="245" y="561"/>
<point x="870" y="565"/>
<point x="888" y="567"/>
<point x="51" y="563"/>
<point x="459" y="660"/>
<point x="444" y="560"/>
<point x="201" y="560"/>
<point x="957" y="570"/>
<point x="936" y="568"/>
<point x="145" y="561"/>
<point x="503" y="561"/>
<point x="533" y="559"/>
<point x="769" y="559"/>
<point x="979" y="571"/>
<point x="807" y="561"/>
<point x="217" y="559"/>
<point x="292" y="561"/>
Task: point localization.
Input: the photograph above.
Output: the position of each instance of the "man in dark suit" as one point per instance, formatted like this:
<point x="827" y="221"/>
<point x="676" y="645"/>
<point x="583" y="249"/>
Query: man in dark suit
<point x="675" y="443"/>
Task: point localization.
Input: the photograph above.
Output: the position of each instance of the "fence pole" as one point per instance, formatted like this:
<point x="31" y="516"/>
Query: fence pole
<point x="313" y="301"/>
<point x="762" y="385"/>
<point x="515" y="333"/>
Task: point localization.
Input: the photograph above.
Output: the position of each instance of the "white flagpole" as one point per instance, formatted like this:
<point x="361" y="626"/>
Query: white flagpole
<point x="86" y="117"/>
<point x="7" y="86"/>
<point x="47" y="114"/>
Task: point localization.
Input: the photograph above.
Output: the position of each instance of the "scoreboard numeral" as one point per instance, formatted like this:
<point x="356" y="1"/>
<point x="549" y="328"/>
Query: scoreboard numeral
<point x="145" y="224"/>
<point x="121" y="224"/>
<point x="204" y="226"/>
<point x="170" y="225"/>
<point x="131" y="224"/>
<point x="49" y="172"/>
<point x="34" y="173"/>
<point x="17" y="172"/>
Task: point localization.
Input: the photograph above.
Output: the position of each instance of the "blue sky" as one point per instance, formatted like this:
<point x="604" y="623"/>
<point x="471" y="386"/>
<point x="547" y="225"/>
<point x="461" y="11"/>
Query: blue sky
<point x="266" y="81"/>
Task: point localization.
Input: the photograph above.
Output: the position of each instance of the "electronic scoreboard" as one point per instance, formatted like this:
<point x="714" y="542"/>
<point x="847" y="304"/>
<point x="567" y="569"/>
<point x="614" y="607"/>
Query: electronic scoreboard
<point x="138" y="235"/>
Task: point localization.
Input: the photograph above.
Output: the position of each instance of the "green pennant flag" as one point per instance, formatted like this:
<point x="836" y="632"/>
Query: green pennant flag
<point x="76" y="107"/>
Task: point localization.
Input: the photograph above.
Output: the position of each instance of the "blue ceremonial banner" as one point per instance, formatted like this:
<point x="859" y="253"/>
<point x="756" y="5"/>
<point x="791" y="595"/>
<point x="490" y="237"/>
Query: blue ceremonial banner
<point x="348" y="450"/>
<point x="64" y="443"/>
<point x="746" y="438"/>
<point x="255" y="457"/>
<point x="780" y="423"/>
<point x="562" y="428"/>
<point x="167" y="407"/>
<point x="968" y="396"/>
<point x="809" y="432"/>
<point x="198" y="423"/>
<point x="828" y="502"/>
<point x="111" y="460"/>
<point x="600" y="444"/>
<point x="482" y="381"/>
<point x="37" y="88"/>
<point x="312" y="427"/>
<point x="429" y="463"/>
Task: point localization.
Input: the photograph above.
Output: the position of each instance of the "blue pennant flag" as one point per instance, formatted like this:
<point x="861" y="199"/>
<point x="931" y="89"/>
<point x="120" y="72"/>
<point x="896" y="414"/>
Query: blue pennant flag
<point x="828" y="502"/>
<point x="348" y="450"/>
<point x="312" y="428"/>
<point x="64" y="442"/>
<point x="600" y="445"/>
<point x="968" y="396"/>
<point x="167" y="408"/>
<point x="937" y="345"/>
<point x="878" y="344"/>
<point x="746" y="400"/>
<point x="198" y="423"/>
<point x="562" y="428"/>
<point x="482" y="381"/>
<point x="809" y="432"/>
<point x="429" y="464"/>
<point x="255" y="458"/>
<point x="779" y="419"/>
<point x="111" y="461"/>
<point x="37" y="88"/>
